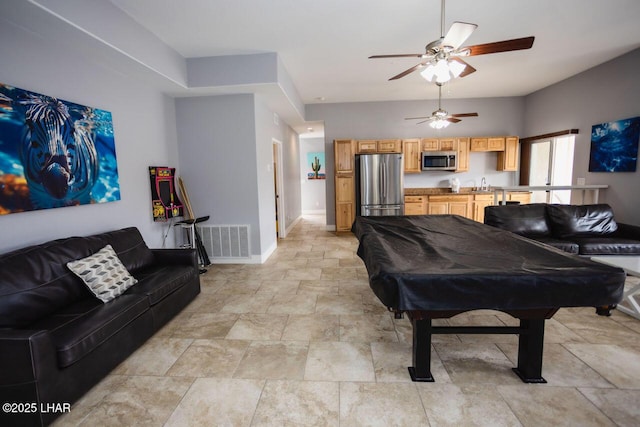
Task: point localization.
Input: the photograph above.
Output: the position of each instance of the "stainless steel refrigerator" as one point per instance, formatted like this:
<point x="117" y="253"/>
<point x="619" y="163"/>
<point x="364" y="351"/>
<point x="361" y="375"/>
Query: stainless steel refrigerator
<point x="380" y="189"/>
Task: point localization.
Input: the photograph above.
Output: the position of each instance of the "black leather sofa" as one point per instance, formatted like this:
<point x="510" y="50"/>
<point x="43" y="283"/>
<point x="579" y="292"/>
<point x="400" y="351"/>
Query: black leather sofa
<point x="579" y="229"/>
<point x="57" y="339"/>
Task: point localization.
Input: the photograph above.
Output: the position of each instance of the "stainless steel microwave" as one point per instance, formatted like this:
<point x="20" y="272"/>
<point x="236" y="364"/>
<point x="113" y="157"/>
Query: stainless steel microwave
<point x="439" y="160"/>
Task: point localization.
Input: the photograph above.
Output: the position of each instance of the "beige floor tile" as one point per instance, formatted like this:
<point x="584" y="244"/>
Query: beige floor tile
<point x="247" y="303"/>
<point x="367" y="328"/>
<point x="622" y="406"/>
<point x="140" y="401"/>
<point x="339" y="304"/>
<point x="339" y="361"/>
<point x="240" y="286"/>
<point x="209" y="358"/>
<point x="380" y="404"/>
<point x="312" y="327"/>
<point x="205" y="325"/>
<point x="274" y="360"/>
<point x="298" y="403"/>
<point x="561" y="368"/>
<point x="339" y="273"/>
<point x="293" y="304"/>
<point x="218" y="401"/>
<point x="552" y="406"/>
<point x="279" y="286"/>
<point x="476" y="363"/>
<point x="475" y="405"/>
<point x="319" y="287"/>
<point x="207" y="303"/>
<point x="619" y="365"/>
<point x="258" y="327"/>
<point x="304" y="273"/>
<point x="155" y="357"/>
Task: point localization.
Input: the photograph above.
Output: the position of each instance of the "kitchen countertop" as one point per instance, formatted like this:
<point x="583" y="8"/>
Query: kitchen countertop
<point x="464" y="191"/>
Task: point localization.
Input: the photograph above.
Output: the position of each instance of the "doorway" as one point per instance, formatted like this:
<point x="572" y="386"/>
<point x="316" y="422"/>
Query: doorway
<point x="552" y="164"/>
<point x="278" y="184"/>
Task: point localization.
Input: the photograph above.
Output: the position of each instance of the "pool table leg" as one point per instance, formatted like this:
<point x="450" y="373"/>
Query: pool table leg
<point x="530" y="346"/>
<point x="421" y="369"/>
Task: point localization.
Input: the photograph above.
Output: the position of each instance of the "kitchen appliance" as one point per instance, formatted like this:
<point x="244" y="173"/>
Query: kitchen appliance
<point x="439" y="160"/>
<point x="380" y="189"/>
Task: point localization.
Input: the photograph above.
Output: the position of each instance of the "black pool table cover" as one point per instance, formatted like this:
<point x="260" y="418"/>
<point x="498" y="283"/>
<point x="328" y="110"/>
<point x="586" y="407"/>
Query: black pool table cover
<point x="450" y="263"/>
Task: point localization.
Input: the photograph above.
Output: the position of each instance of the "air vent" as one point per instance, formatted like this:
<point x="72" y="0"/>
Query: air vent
<point x="225" y="241"/>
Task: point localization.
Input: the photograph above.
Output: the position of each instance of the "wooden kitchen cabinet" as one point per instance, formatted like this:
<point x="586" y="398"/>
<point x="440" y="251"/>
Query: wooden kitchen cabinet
<point x="429" y="144"/>
<point x="411" y="155"/>
<point x="344" y="151"/>
<point x="523" y="197"/>
<point x="447" y="144"/>
<point x="463" y="154"/>
<point x="345" y="202"/>
<point x="480" y="201"/>
<point x="441" y="144"/>
<point x="508" y="159"/>
<point x="488" y="144"/>
<point x="415" y="205"/>
<point x="345" y="195"/>
<point x="450" y="204"/>
<point x="364" y="146"/>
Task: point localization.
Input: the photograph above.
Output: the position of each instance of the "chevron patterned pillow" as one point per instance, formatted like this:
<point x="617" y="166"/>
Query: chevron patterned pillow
<point x="103" y="273"/>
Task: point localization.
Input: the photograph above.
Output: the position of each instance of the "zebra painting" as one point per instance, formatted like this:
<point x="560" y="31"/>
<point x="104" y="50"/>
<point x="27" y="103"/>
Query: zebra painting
<point x="65" y="152"/>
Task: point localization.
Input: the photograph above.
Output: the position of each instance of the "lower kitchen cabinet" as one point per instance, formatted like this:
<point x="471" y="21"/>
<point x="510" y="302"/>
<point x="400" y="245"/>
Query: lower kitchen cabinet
<point x="415" y="205"/>
<point x="450" y="204"/>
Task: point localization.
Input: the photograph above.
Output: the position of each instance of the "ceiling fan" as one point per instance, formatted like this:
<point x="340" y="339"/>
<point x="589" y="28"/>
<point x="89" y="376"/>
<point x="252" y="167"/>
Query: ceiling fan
<point x="440" y="118"/>
<point x="443" y="57"/>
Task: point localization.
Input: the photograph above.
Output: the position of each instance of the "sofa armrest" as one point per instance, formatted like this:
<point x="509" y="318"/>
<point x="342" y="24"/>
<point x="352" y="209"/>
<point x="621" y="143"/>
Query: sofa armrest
<point x="628" y="231"/>
<point x="176" y="256"/>
<point x="26" y="356"/>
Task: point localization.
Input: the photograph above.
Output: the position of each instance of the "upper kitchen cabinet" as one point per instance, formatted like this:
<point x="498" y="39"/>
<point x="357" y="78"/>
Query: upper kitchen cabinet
<point x="365" y="146"/>
<point x="508" y="159"/>
<point x="344" y="156"/>
<point x="438" y="144"/>
<point x="488" y="144"/>
<point x="411" y="154"/>
<point x="463" y="154"/>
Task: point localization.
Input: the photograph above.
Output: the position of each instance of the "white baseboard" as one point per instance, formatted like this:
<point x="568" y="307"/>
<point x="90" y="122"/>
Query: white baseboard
<point x="331" y="227"/>
<point x="314" y="212"/>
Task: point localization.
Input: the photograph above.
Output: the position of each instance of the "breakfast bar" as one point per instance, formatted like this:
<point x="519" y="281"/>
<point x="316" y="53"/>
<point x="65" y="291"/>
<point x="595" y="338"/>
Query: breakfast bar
<point x="438" y="266"/>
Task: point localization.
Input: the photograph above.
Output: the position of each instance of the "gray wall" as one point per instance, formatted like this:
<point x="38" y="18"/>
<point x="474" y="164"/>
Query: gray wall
<point x="605" y="93"/>
<point x="226" y="158"/>
<point x="36" y="57"/>
<point x="378" y="120"/>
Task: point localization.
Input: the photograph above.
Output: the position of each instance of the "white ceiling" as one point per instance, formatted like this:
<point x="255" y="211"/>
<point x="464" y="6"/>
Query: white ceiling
<point x="324" y="44"/>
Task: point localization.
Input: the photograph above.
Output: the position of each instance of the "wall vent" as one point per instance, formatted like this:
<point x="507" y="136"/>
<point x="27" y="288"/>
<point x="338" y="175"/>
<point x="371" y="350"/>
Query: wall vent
<point x="225" y="241"/>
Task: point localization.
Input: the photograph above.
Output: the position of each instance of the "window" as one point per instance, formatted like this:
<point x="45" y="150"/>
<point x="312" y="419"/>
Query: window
<point x="552" y="164"/>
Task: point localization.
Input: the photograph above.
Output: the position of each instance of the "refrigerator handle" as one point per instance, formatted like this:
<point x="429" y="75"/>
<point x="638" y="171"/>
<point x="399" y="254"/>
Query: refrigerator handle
<point x="383" y="172"/>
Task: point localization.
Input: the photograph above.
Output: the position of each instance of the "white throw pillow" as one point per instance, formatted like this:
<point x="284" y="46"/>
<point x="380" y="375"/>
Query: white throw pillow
<point x="103" y="273"/>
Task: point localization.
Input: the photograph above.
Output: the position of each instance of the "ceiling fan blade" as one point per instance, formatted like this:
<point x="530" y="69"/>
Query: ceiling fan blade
<point x="409" y="71"/>
<point x="453" y="120"/>
<point x="417" y="118"/>
<point x="503" y="46"/>
<point x="458" y="33"/>
<point x="465" y="115"/>
<point x="468" y="69"/>
<point x="399" y="55"/>
<point x="430" y="119"/>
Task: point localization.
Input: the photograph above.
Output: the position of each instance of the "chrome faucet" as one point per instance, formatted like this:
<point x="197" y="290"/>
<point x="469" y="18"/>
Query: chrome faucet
<point x="483" y="184"/>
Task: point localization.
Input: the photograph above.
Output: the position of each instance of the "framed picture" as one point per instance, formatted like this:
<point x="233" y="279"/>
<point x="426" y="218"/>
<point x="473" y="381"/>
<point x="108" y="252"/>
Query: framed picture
<point x="316" y="162"/>
<point x="54" y="153"/>
<point x="614" y="146"/>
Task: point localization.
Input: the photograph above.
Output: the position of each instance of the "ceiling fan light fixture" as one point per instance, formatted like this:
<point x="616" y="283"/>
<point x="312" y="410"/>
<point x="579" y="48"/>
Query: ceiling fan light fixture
<point x="439" y="124"/>
<point x="443" y="70"/>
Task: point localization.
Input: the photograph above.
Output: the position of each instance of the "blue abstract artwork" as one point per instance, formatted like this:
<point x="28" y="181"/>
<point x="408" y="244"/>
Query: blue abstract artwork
<point x="614" y="146"/>
<point x="54" y="153"/>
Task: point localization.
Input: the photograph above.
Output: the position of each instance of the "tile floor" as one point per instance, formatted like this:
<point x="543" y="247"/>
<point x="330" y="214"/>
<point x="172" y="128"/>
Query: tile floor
<point x="302" y="341"/>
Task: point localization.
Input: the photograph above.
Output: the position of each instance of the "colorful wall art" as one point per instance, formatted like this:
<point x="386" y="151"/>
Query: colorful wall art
<point x="614" y="146"/>
<point x="316" y="162"/>
<point x="54" y="153"/>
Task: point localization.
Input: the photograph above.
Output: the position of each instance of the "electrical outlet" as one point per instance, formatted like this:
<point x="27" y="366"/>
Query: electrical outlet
<point x="581" y="181"/>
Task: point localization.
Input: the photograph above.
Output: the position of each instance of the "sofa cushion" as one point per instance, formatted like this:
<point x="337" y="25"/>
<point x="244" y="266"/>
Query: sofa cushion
<point x="80" y="328"/>
<point x="606" y="245"/>
<point x="157" y="283"/>
<point x="103" y="273"/>
<point x="564" y="245"/>
<point x="581" y="220"/>
<point x="526" y="220"/>
<point x="130" y="247"/>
